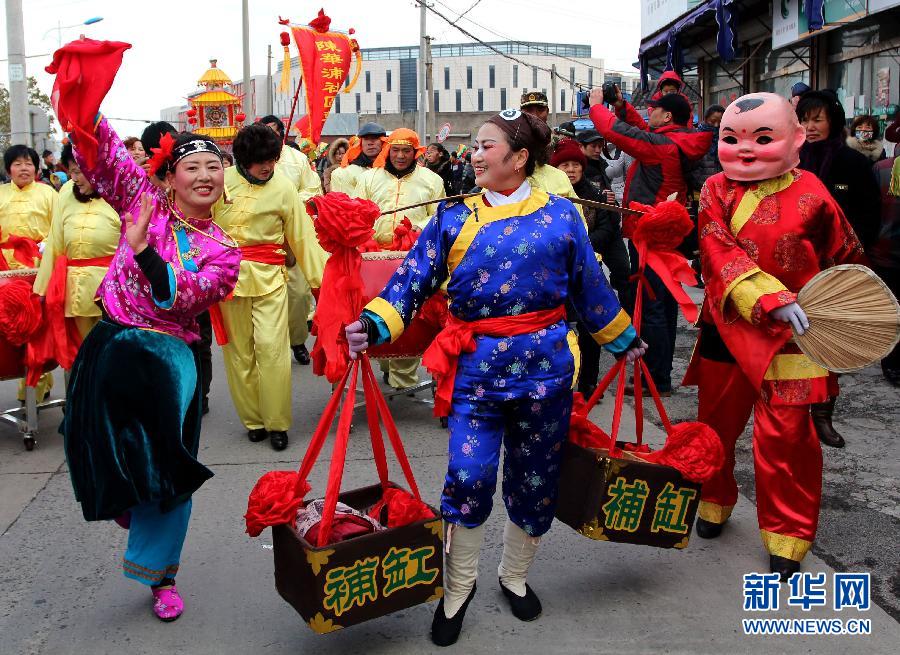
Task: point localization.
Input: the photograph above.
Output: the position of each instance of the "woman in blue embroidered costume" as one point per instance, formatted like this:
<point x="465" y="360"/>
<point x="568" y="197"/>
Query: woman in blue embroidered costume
<point x="506" y="362"/>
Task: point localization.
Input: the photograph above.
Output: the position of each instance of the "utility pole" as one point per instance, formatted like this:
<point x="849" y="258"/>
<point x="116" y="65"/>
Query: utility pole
<point x="245" y="16"/>
<point x="19" y="127"/>
<point x="423" y="92"/>
<point x="432" y="114"/>
<point x="553" y="117"/>
<point x="269" y="85"/>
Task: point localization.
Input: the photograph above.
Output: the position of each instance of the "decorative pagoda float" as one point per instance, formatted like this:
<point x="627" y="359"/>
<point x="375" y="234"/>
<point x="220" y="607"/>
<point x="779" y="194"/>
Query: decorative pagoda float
<point x="215" y="111"/>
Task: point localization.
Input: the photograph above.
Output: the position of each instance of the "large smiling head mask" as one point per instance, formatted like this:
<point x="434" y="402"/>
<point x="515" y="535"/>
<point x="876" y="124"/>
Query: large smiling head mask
<point x="759" y="138"/>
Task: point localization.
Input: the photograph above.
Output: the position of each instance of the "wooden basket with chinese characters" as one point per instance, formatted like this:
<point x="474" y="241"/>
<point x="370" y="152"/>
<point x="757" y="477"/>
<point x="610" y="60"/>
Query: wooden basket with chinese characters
<point x="339" y="584"/>
<point x="611" y="494"/>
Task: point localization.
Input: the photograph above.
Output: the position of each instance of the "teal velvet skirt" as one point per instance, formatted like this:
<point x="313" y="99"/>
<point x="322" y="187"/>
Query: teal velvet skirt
<point x="132" y="421"/>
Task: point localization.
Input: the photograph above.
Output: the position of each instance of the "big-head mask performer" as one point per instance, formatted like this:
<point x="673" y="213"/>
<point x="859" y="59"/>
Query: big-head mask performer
<point x="765" y="229"/>
<point x="511" y="258"/>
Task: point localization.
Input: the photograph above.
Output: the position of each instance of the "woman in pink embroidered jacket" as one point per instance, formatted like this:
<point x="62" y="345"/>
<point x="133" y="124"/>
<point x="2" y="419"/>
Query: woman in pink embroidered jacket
<point x="132" y="422"/>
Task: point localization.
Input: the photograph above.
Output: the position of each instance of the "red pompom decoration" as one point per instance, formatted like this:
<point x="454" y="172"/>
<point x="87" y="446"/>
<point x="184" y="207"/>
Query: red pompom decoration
<point x="351" y="31"/>
<point x="241" y="117"/>
<point x="583" y="431"/>
<point x="663" y="227"/>
<point x="20" y="311"/>
<point x="192" y="120"/>
<point x="275" y="499"/>
<point x="398" y="507"/>
<point x="191" y="112"/>
<point x="285" y="39"/>
<point x="694" y="449"/>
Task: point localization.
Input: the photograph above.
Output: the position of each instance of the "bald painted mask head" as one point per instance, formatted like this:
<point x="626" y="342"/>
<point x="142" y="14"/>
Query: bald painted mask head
<point x="759" y="138"/>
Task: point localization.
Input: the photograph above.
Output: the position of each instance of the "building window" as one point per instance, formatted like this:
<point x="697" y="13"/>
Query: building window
<point x="337" y="104"/>
<point x="437" y="101"/>
<point x="572" y="76"/>
<point x="468" y="77"/>
<point x="368" y="81"/>
<point x="491" y="76"/>
<point x="515" y="76"/>
<point x="590" y="78"/>
<point x="534" y="77"/>
<point x="502" y="99"/>
<point x="562" y="100"/>
<point x="387" y="80"/>
<point x="446" y="77"/>
<point x="358" y="104"/>
<point x="480" y="99"/>
<point x="458" y="100"/>
<point x="378" y="102"/>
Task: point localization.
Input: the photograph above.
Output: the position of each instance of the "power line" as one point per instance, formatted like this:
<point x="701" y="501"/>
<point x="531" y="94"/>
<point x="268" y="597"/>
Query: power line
<point x="500" y="52"/>
<point x="530" y="45"/>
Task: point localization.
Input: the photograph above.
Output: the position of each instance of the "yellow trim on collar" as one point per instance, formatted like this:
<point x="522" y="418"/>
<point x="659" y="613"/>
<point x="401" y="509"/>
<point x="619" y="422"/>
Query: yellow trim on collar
<point x="753" y="197"/>
<point x="783" y="545"/>
<point x="482" y="214"/>
<point x="795" y="366"/>
<point x="389" y="315"/>
<point x="613" y="329"/>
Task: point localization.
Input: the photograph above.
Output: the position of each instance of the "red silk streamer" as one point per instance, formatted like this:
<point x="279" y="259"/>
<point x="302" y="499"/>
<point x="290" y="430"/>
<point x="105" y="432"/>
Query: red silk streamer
<point x="325" y="62"/>
<point x="656" y="234"/>
<point x="442" y="356"/>
<point x="343" y="224"/>
<point x="85" y="70"/>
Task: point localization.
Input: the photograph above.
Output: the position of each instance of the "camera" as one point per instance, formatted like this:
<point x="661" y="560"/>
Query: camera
<point x="610" y="92"/>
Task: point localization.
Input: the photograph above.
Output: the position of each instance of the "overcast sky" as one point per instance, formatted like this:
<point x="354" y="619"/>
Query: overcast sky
<point x="174" y="39"/>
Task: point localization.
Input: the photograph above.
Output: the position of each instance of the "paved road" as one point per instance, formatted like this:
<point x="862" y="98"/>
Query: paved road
<point x="62" y="590"/>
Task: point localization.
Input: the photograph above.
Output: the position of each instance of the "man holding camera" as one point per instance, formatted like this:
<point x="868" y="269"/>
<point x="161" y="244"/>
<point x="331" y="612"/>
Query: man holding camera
<point x="662" y="150"/>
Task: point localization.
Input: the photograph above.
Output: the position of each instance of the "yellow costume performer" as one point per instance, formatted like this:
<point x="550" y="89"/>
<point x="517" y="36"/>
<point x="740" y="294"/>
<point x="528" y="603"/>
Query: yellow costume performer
<point x="27" y="212"/>
<point x="86" y="233"/>
<point x="262" y="217"/>
<point x="363" y="149"/>
<point x="390" y="188"/>
<point x="295" y="165"/>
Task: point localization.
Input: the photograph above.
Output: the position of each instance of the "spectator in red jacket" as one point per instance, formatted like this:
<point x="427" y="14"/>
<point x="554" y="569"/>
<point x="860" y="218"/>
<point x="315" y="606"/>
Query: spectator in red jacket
<point x="664" y="152"/>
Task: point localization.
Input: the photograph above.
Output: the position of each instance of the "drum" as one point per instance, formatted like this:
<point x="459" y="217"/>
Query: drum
<point x="12" y="358"/>
<point x="377" y="269"/>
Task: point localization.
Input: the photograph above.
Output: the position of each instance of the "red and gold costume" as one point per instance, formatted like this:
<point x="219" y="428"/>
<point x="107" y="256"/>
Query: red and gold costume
<point x="760" y="242"/>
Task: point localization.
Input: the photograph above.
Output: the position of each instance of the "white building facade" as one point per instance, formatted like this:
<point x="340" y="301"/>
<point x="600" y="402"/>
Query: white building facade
<point x="467" y="77"/>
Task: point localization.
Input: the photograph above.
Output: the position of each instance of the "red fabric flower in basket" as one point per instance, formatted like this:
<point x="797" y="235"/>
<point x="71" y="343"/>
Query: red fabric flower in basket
<point x="694" y="449"/>
<point x="275" y="499"/>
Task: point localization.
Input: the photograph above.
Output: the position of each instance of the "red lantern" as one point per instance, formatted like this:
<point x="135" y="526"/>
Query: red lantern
<point x="192" y="120"/>
<point x="191" y="112"/>
<point x="285" y="39"/>
<point x="241" y="117"/>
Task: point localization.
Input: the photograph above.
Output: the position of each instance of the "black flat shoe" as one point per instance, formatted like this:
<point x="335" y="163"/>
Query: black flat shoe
<point x="257" y="434"/>
<point x="301" y="354"/>
<point x="524" y="608"/>
<point x="444" y="631"/>
<point x="708" y="529"/>
<point x="783" y="566"/>
<point x="279" y="440"/>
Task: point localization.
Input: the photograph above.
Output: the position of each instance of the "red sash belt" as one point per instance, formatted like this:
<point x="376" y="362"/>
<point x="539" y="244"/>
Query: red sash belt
<point x="92" y="261"/>
<point x="66" y="338"/>
<point x="264" y="253"/>
<point x="457" y="337"/>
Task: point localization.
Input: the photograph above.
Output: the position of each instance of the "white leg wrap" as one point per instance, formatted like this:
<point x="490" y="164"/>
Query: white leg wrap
<point x="519" y="550"/>
<point x="460" y="565"/>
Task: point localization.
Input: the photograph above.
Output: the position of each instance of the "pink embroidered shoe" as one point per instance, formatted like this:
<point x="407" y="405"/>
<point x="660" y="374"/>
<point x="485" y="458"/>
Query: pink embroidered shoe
<point x="167" y="604"/>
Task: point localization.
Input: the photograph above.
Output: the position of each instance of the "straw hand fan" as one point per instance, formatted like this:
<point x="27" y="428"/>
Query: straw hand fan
<point x="854" y="319"/>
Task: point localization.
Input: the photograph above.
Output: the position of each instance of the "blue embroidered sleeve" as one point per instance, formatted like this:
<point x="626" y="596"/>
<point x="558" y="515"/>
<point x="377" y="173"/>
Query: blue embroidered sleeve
<point x="595" y="302"/>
